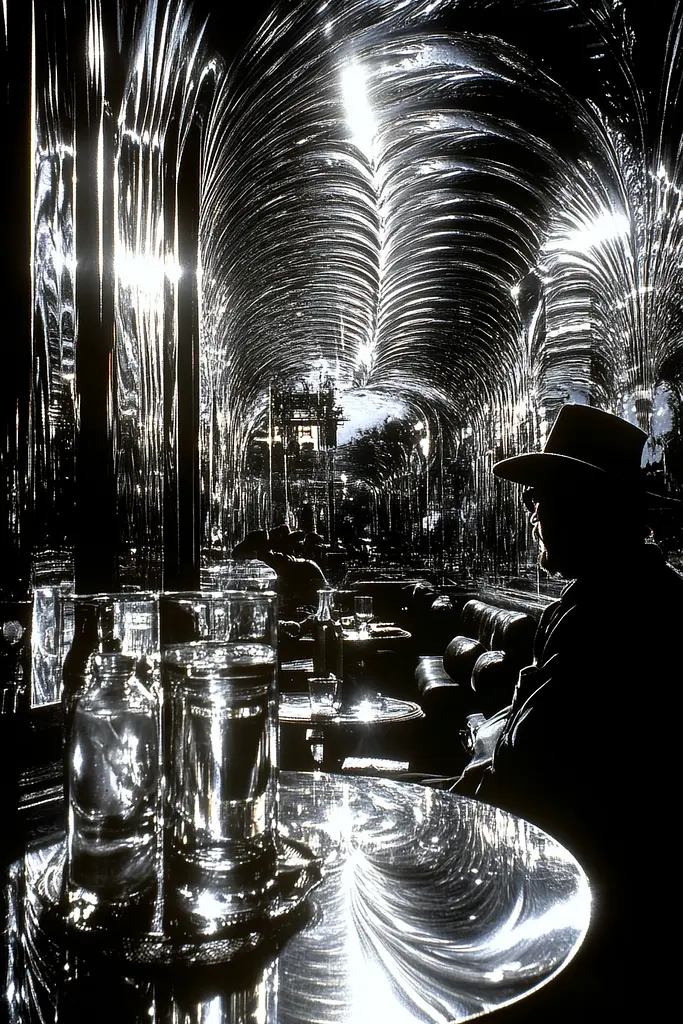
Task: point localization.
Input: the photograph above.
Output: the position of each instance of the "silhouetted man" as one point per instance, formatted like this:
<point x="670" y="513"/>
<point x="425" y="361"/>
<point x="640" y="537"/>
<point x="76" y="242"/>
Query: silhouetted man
<point x="299" y="579"/>
<point x="578" y="753"/>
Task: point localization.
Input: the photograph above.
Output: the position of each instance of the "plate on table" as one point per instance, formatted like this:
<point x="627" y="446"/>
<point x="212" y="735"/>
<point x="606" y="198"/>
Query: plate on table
<point x="388" y="630"/>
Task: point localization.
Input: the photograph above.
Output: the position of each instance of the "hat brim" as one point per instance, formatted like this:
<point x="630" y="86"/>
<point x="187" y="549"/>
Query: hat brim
<point x="534" y="469"/>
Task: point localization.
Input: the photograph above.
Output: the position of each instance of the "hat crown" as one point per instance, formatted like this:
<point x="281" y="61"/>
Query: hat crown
<point x="597" y="438"/>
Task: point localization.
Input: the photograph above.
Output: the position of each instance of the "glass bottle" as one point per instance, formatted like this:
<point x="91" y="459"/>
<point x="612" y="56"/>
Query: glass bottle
<point x="93" y="633"/>
<point x="328" y="637"/>
<point x="112" y="761"/>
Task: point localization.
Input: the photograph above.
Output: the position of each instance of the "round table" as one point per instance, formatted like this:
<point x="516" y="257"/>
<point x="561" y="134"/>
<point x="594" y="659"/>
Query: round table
<point x="432" y="908"/>
<point x="358" y="726"/>
<point x="373" y="656"/>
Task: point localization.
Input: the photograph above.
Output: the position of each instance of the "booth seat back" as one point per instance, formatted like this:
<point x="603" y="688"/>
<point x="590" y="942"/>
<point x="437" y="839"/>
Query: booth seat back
<point x="500" y="629"/>
<point x="479" y="667"/>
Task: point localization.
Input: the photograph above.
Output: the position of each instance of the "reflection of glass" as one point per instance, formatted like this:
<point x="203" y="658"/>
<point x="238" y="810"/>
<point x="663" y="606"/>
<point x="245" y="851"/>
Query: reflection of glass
<point x="238" y="574"/>
<point x="362" y="612"/>
<point x="253" y="1000"/>
<point x="127" y="623"/>
<point x="234" y="614"/>
<point x="51" y="636"/>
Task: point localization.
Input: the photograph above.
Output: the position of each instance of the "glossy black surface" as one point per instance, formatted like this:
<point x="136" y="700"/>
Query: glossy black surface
<point x="432" y="908"/>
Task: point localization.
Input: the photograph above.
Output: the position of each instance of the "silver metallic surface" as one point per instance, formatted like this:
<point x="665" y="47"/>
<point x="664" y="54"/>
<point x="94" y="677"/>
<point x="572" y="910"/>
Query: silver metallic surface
<point x="469" y="208"/>
<point x="464" y="212"/>
<point x="432" y="908"/>
<point x="296" y="707"/>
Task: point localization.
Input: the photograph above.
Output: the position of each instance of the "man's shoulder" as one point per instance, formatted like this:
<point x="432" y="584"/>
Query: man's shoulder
<point x="674" y="576"/>
<point x="307" y="568"/>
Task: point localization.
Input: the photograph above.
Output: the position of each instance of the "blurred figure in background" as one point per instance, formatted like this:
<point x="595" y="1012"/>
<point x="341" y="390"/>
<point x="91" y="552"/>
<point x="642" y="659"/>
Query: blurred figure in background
<point x="313" y="547"/>
<point x="299" y="579"/>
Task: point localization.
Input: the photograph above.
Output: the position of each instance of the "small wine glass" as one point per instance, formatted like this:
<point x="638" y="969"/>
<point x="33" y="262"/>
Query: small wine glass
<point x="362" y="612"/>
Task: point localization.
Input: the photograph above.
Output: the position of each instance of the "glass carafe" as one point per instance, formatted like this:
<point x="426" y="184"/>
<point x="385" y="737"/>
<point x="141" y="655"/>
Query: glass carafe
<point x="328" y="637"/>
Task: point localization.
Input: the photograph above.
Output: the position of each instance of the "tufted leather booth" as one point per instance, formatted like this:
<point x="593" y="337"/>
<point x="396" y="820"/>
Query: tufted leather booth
<point x="478" y="670"/>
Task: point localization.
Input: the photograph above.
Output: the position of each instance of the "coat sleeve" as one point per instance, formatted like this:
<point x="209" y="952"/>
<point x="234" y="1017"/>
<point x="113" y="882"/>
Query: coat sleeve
<point x="554" y="763"/>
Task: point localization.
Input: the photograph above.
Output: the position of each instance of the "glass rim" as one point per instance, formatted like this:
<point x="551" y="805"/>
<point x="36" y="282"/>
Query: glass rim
<point x="205" y="669"/>
<point x="110" y="597"/>
<point x="209" y="595"/>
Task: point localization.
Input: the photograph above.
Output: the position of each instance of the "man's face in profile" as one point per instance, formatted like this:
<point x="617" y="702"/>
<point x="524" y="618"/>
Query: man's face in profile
<point x="562" y="526"/>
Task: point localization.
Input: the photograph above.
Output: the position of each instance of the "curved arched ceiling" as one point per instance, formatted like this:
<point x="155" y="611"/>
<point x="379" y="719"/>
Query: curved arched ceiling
<point x="390" y="188"/>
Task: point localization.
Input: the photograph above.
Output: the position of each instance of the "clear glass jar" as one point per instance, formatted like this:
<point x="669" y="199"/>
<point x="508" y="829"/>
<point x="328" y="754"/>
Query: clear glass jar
<point x="112" y="777"/>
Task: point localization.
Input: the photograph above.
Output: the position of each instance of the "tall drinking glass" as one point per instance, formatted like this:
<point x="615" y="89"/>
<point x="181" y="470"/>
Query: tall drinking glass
<point x="220" y="739"/>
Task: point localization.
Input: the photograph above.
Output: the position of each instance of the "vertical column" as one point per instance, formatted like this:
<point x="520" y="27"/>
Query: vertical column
<point x="96" y="528"/>
<point x="181" y="497"/>
<point x="16" y="499"/>
<point x="16" y="217"/>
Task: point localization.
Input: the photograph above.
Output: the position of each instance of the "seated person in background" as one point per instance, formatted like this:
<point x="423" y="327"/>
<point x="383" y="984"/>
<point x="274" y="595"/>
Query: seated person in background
<point x="573" y="752"/>
<point x="299" y="579"/>
<point x="313" y="547"/>
<point x="286" y="541"/>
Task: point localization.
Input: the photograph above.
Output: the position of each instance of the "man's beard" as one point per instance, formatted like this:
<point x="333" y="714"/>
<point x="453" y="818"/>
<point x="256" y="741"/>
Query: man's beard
<point x="545" y="562"/>
<point x="567" y="564"/>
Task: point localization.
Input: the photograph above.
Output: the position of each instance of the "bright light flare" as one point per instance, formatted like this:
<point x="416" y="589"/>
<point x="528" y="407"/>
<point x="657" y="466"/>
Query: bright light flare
<point x="607" y="227"/>
<point x="146" y="273"/>
<point x="358" y="110"/>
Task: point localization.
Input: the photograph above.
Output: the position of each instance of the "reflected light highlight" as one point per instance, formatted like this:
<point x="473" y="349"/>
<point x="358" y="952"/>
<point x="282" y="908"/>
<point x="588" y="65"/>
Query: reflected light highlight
<point x="607" y="227"/>
<point x="358" y="111"/>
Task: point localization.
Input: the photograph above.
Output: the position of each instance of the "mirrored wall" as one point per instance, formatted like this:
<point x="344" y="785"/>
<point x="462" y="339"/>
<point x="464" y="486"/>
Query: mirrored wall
<point x="324" y="269"/>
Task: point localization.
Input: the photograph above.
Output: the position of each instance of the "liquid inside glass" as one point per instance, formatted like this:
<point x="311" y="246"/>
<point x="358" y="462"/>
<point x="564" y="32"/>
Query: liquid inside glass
<point x="222" y="769"/>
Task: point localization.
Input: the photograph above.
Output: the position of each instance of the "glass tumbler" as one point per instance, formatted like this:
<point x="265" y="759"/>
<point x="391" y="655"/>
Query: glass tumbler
<point x="220" y="742"/>
<point x="236" y="613"/>
<point x="324" y="694"/>
<point x="363" y="614"/>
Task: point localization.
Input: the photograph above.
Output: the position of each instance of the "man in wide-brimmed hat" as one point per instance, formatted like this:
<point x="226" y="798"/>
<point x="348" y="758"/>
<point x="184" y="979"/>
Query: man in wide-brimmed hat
<point x="586" y="492"/>
<point x="607" y="660"/>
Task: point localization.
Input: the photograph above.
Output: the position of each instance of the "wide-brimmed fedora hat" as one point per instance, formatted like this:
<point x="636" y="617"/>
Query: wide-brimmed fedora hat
<point x="254" y="544"/>
<point x="586" y="445"/>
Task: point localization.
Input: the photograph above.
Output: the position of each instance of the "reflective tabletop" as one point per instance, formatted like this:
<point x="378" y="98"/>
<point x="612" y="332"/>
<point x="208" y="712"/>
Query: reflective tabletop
<point x="431" y="908"/>
<point x="375" y="710"/>
<point x="376" y="634"/>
